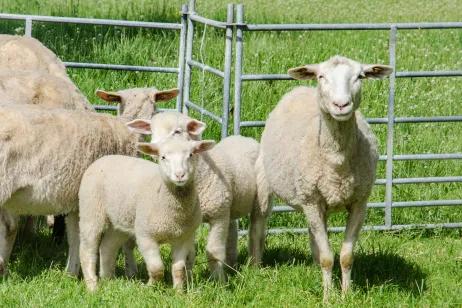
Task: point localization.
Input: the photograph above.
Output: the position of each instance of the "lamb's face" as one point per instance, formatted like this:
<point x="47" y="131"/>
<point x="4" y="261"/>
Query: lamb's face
<point x="137" y="102"/>
<point x="339" y="83"/>
<point x="176" y="157"/>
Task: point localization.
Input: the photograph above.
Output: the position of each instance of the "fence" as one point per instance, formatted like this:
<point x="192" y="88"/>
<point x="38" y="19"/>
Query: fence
<point x="234" y="29"/>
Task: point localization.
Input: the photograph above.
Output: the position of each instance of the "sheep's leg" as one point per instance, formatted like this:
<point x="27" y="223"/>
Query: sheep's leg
<point x="130" y="262"/>
<point x="231" y="244"/>
<point x="8" y="231"/>
<point x="190" y="260"/>
<point x="257" y="233"/>
<point x="216" y="247"/>
<point x="318" y="230"/>
<point x="90" y="236"/>
<point x="314" y="248"/>
<point x="110" y="245"/>
<point x="181" y="251"/>
<point x="72" y="228"/>
<point x="150" y="251"/>
<point x="354" y="224"/>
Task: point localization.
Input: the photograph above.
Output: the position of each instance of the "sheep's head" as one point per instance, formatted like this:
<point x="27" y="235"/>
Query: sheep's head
<point x="175" y="157"/>
<point x="339" y="83"/>
<point x="137" y="102"/>
<point x="166" y="124"/>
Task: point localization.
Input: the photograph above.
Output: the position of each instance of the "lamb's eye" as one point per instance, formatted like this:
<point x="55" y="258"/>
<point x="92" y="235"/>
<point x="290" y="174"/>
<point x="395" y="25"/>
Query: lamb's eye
<point x="361" y="76"/>
<point x="190" y="155"/>
<point x="320" y="77"/>
<point x="177" y="132"/>
<point x="162" y="157"/>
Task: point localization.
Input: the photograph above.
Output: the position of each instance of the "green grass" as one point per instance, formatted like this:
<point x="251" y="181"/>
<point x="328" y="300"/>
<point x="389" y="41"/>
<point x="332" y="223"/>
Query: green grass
<point x="390" y="266"/>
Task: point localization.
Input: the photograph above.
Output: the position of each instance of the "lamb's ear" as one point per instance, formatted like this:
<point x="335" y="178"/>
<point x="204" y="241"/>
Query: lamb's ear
<point x="204" y="145"/>
<point x="166" y="95"/>
<point x="195" y="127"/>
<point x="148" y="148"/>
<point x="376" y="70"/>
<point x="305" y="72"/>
<point x="109" y="96"/>
<point x="140" y="126"/>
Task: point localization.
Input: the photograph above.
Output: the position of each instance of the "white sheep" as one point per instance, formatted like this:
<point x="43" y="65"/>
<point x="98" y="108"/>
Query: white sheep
<point x="41" y="88"/>
<point x="320" y="155"/>
<point x="121" y="197"/>
<point x="229" y="186"/>
<point x="43" y="155"/>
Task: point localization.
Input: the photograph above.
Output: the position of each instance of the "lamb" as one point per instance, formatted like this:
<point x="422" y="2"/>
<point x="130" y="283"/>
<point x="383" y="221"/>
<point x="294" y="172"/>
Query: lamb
<point x="320" y="155"/>
<point x="43" y="155"/>
<point x="229" y="187"/>
<point x="41" y="88"/>
<point x="124" y="196"/>
<point x="33" y="56"/>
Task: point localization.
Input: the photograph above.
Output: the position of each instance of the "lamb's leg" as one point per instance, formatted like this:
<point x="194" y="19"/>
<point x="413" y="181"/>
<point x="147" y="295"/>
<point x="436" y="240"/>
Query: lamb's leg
<point x="90" y="236"/>
<point x="257" y="234"/>
<point x="130" y="262"/>
<point x="8" y="231"/>
<point x="216" y="247"/>
<point x="231" y="244"/>
<point x="150" y="251"/>
<point x="181" y="250"/>
<point x="110" y="244"/>
<point x="317" y="223"/>
<point x="72" y="228"/>
<point x="354" y="224"/>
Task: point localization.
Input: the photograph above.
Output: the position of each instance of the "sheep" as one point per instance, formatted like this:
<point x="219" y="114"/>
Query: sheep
<point x="43" y="155"/>
<point x="27" y="53"/>
<point x="229" y="186"/>
<point x="122" y="196"/>
<point x="320" y="155"/>
<point x="41" y="88"/>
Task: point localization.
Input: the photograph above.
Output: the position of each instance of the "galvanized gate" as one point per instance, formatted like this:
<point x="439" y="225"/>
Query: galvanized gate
<point x="234" y="29"/>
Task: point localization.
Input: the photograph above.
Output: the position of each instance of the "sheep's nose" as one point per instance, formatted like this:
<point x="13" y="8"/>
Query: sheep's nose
<point x="180" y="175"/>
<point x="341" y="104"/>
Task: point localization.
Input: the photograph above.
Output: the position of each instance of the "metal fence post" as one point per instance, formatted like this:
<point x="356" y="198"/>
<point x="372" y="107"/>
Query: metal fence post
<point x="238" y="68"/>
<point x="181" y="57"/>
<point x="188" y="56"/>
<point x="390" y="131"/>
<point x="28" y="27"/>
<point x="227" y="70"/>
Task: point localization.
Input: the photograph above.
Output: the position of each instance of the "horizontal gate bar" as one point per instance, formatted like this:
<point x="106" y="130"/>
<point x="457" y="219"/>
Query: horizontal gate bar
<point x="203" y="111"/>
<point x="441" y="156"/>
<point x="208" y="22"/>
<point x="418" y="180"/>
<point x="93" y="21"/>
<point x="365" y="228"/>
<point x="206" y="68"/>
<point x="361" y="26"/>
<point x="121" y="67"/>
<point x="395" y="204"/>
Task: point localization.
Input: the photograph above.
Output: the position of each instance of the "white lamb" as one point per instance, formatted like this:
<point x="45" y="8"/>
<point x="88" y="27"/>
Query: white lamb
<point x="121" y="197"/>
<point x="43" y="155"/>
<point x="230" y="187"/>
<point x="320" y="155"/>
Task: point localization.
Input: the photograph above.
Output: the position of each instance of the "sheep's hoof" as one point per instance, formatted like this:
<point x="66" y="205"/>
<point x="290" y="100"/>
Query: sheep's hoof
<point x="156" y="277"/>
<point x="92" y="285"/>
<point x="3" y="269"/>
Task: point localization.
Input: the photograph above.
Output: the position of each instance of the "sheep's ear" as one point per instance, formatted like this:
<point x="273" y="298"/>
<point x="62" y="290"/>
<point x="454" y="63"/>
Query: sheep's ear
<point x="202" y="146"/>
<point x="304" y="72"/>
<point x="148" y="148"/>
<point x="166" y="95"/>
<point x="376" y="70"/>
<point x="195" y="127"/>
<point x="140" y="126"/>
<point x="108" y="96"/>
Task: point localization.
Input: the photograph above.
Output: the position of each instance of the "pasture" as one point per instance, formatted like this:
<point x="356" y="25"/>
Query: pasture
<point x="408" y="268"/>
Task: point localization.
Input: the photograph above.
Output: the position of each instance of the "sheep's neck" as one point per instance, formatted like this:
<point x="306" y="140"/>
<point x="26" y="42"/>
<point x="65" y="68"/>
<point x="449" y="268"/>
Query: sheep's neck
<point x="337" y="139"/>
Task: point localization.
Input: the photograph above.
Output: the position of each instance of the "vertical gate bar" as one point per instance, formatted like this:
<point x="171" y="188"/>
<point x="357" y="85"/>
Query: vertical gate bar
<point x="28" y="27"/>
<point x="181" y="57"/>
<point x="390" y="131"/>
<point x="227" y="70"/>
<point x="238" y="68"/>
<point x="188" y="57"/>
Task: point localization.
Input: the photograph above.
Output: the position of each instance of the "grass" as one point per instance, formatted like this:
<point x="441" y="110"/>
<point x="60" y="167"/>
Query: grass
<point x="391" y="266"/>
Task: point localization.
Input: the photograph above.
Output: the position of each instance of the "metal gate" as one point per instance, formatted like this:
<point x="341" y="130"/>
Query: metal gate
<point x="234" y="29"/>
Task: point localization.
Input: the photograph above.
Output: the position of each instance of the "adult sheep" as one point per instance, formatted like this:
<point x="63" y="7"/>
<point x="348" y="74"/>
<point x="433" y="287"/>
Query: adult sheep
<point x="43" y="155"/>
<point x="320" y="155"/>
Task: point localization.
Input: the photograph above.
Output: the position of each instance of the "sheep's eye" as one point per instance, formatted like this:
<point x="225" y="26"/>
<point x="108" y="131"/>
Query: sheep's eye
<point x="361" y="76"/>
<point x="320" y="77"/>
<point x="177" y="132"/>
<point x="190" y="155"/>
<point x="162" y="157"/>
